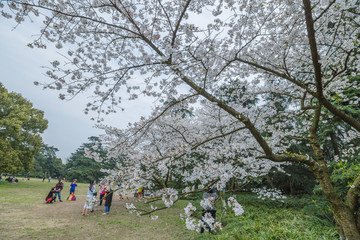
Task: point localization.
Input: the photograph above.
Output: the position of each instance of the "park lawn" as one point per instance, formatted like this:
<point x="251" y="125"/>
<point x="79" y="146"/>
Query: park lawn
<point x="24" y="215"/>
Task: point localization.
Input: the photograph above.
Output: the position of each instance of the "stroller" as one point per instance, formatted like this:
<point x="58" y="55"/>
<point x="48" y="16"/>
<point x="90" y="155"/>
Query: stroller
<point x="50" y="197"/>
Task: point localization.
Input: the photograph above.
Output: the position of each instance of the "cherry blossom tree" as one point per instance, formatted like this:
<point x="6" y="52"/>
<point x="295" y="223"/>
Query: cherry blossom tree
<point x="190" y="50"/>
<point x="201" y="151"/>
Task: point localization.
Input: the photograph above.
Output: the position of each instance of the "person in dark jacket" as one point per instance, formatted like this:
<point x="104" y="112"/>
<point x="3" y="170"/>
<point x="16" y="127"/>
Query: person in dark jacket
<point x="51" y="197"/>
<point x="59" y="187"/>
<point x="211" y="209"/>
<point x="108" y="198"/>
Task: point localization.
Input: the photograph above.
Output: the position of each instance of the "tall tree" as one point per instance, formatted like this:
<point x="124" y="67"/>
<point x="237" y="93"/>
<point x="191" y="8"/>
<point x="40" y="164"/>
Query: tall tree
<point x="46" y="163"/>
<point x="83" y="167"/>
<point x="20" y="128"/>
<point x="302" y="49"/>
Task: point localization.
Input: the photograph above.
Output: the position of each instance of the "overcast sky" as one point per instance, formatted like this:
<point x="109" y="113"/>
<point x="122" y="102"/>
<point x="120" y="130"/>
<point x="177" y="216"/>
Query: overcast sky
<point x="68" y="126"/>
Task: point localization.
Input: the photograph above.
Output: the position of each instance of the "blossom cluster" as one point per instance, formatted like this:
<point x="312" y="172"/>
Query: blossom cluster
<point x="269" y="193"/>
<point x="169" y="196"/>
<point x="206" y="222"/>
<point x="237" y="208"/>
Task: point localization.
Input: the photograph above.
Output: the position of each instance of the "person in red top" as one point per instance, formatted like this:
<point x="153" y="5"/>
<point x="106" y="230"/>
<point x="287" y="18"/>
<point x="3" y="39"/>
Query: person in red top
<point x="59" y="188"/>
<point x="102" y="193"/>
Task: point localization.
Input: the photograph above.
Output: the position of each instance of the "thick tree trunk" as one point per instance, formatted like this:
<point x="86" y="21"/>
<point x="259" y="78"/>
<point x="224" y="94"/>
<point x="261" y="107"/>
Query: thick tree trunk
<point x="345" y="219"/>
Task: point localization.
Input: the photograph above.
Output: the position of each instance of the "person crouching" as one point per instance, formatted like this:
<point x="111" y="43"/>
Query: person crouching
<point x="51" y="197"/>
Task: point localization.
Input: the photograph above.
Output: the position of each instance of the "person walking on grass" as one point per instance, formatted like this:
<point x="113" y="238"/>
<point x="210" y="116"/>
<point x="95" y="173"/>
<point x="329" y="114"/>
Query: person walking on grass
<point x="90" y="198"/>
<point x="59" y="187"/>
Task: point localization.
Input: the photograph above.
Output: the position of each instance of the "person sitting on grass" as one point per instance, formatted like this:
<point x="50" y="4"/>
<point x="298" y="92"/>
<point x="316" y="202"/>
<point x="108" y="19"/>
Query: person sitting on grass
<point x="51" y="196"/>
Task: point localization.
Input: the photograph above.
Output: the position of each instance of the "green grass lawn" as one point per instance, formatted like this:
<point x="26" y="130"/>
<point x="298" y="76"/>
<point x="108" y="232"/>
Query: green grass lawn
<point x="24" y="215"/>
<point x="295" y="219"/>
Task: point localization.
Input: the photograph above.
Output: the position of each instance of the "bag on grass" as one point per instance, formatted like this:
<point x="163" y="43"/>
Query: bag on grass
<point x="71" y="197"/>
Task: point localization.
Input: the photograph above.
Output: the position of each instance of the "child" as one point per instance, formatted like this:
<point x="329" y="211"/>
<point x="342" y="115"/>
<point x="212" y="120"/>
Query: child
<point x="72" y="187"/>
<point x="50" y="197"/>
<point x="72" y="197"/>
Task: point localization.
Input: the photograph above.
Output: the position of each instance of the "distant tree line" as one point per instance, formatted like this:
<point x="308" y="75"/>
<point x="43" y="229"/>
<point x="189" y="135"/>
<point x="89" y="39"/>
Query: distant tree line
<point x="77" y="166"/>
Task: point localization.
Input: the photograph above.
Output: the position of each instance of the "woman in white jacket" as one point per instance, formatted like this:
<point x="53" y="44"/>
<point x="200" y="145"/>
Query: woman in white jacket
<point x="90" y="198"/>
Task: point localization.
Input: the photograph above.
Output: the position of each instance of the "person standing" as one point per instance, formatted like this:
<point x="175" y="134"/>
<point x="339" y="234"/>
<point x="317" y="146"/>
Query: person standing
<point x="108" y="198"/>
<point x="72" y="186"/>
<point x="139" y="193"/>
<point x="102" y="193"/>
<point x="90" y="198"/>
<point x="59" y="187"/>
<point x="49" y="178"/>
<point x="211" y="197"/>
<point x="43" y="178"/>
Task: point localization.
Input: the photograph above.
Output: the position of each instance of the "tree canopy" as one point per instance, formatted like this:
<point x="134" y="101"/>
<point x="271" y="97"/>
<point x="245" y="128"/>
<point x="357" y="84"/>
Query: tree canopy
<point x="83" y="167"/>
<point x="190" y="51"/>
<point x="47" y="164"/>
<point x="20" y="129"/>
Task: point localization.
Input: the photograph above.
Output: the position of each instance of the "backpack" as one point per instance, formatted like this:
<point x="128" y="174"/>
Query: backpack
<point x="71" y="197"/>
